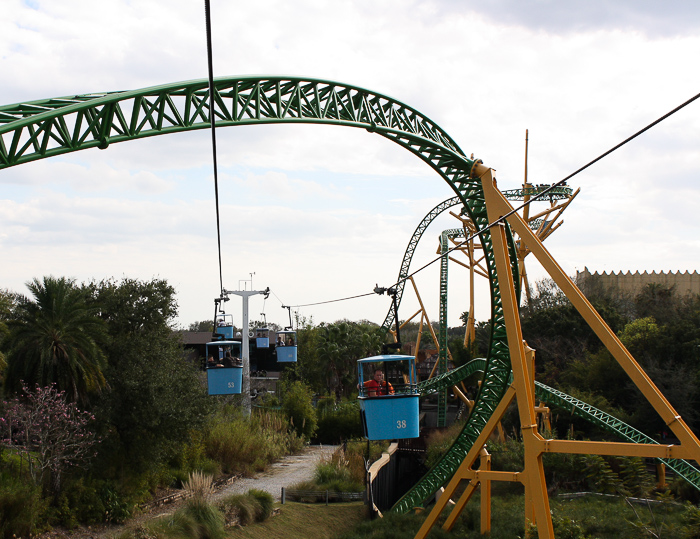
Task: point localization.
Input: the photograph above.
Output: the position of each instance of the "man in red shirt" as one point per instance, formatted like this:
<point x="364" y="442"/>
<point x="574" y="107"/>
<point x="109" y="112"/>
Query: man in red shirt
<point x="378" y="386"/>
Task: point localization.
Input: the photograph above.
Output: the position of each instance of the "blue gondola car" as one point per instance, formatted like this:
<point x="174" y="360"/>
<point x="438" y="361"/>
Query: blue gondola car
<point x="224" y="326"/>
<point x="262" y="338"/>
<point x="286" y="346"/>
<point x="389" y="408"/>
<point x="224" y="367"/>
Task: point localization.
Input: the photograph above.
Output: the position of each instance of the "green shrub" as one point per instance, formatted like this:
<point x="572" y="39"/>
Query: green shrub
<point x="244" y="445"/>
<point x="266" y="501"/>
<point x="197" y="519"/>
<point x="20" y="507"/>
<point x="243" y="508"/>
<point x="439" y="441"/>
<point x="338" y="422"/>
<point x="297" y="406"/>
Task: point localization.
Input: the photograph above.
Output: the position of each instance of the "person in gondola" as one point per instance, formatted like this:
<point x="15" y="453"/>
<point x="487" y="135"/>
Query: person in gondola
<point x="280" y="340"/>
<point x="228" y="360"/>
<point x="378" y="386"/>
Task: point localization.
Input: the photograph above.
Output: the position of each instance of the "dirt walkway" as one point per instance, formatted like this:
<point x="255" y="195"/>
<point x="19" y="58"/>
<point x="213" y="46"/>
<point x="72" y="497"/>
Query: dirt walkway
<point x="286" y="472"/>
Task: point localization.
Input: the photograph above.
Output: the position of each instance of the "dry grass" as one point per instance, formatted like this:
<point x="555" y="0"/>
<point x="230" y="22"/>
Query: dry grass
<point x="304" y="521"/>
<point x="199" y="484"/>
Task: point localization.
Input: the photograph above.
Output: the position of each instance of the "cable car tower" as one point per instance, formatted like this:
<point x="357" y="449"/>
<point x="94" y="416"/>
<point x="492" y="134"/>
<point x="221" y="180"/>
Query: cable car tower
<point x="245" y="331"/>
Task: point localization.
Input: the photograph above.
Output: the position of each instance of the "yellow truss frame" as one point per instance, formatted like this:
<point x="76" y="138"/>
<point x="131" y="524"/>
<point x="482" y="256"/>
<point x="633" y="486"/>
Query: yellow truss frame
<point x="537" y="509"/>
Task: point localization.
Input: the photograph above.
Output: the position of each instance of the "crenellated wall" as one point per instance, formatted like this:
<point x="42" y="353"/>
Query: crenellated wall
<point x="685" y="283"/>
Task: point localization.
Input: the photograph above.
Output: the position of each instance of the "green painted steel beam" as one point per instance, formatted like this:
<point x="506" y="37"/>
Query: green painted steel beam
<point x="610" y="423"/>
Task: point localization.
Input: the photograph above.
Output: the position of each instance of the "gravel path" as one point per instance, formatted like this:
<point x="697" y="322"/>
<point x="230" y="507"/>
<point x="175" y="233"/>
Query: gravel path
<point x="284" y="473"/>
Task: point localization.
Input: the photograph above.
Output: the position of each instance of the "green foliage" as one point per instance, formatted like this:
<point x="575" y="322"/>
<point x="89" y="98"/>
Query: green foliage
<point x="197" y="519"/>
<point x="254" y="506"/>
<point x="338" y="347"/>
<point x="266" y="502"/>
<point x="245" y="445"/>
<point x="691" y="522"/>
<point x="54" y="338"/>
<point x="338" y="422"/>
<point x="156" y="399"/>
<point x="21" y="507"/>
<point x="298" y="408"/>
<point x="439" y="442"/>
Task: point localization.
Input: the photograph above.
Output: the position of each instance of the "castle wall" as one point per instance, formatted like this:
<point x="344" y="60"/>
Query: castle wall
<point x="686" y="283"/>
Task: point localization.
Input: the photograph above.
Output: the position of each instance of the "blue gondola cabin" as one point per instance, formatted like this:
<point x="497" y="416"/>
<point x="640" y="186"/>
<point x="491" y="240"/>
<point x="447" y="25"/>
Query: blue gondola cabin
<point x="388" y="397"/>
<point x="262" y="338"/>
<point x="224" y="367"/>
<point x="224" y="326"/>
<point x="286" y="346"/>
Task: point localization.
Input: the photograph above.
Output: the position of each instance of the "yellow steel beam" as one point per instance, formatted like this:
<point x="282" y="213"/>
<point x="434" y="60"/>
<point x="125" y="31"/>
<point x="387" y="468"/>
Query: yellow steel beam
<point x="499" y="206"/>
<point x="466" y="465"/>
<point x="535" y="485"/>
<point x="623" y="449"/>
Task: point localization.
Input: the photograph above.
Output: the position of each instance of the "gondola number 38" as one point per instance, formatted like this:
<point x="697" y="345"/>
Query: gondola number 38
<point x="401" y="424"/>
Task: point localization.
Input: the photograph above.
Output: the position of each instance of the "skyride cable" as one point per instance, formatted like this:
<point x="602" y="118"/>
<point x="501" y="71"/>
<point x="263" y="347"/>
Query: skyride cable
<point x="553" y="186"/>
<point x="523" y="205"/>
<point x="212" y="119"/>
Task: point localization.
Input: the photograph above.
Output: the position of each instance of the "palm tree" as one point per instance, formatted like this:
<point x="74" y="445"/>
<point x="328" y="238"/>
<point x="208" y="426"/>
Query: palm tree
<point x="53" y="339"/>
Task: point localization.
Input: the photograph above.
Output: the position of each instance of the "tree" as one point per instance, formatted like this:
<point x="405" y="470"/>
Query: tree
<point x="340" y="345"/>
<point x="202" y="325"/>
<point x="53" y="338"/>
<point x="297" y="407"/>
<point x="50" y="434"/>
<point x="8" y="301"/>
<point x="155" y="398"/>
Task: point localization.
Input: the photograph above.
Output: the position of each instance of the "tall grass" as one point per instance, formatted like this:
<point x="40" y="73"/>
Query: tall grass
<point x="254" y="506"/>
<point x="248" y="445"/>
<point x="342" y="471"/>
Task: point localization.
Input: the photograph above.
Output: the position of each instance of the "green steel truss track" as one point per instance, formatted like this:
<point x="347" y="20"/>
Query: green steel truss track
<point x="558" y="193"/>
<point x="411" y="248"/>
<point x="613" y="425"/>
<point x="461" y="446"/>
<point x="40" y="129"/>
<point x="442" y="337"/>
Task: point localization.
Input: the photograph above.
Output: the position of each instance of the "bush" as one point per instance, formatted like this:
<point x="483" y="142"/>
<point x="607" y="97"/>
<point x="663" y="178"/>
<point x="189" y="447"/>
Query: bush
<point x="266" y="502"/>
<point x="338" y="422"/>
<point x="343" y="471"/>
<point x="245" y="445"/>
<point x="254" y="506"/>
<point x="198" y="519"/>
<point x="20" y="507"/>
<point x="439" y="441"/>
<point x="298" y="408"/>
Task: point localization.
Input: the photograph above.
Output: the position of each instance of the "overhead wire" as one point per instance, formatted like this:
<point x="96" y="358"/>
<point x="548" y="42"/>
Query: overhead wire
<point x="551" y="187"/>
<point x="523" y="205"/>
<point x="212" y="120"/>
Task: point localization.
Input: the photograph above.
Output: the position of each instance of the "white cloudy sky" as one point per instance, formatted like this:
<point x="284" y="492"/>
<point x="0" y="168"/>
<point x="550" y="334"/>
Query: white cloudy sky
<point x="320" y="213"/>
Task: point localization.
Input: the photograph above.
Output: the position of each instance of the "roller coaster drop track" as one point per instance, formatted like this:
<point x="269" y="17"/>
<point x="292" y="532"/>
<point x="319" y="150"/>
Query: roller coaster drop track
<point x="40" y="129"/>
